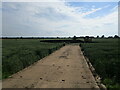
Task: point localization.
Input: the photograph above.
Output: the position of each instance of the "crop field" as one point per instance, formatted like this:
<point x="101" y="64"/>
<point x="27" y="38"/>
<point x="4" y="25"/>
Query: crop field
<point x="105" y="58"/>
<point x="103" y="53"/>
<point x="20" y="53"/>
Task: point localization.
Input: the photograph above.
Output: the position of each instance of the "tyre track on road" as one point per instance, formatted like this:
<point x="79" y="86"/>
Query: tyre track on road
<point x="65" y="68"/>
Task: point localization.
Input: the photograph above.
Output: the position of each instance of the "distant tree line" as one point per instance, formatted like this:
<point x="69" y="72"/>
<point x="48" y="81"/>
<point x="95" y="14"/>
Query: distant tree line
<point x="115" y="36"/>
<point x="74" y="37"/>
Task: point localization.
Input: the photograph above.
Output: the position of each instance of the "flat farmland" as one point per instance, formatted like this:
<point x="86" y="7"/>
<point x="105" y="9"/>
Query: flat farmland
<point x="65" y="68"/>
<point x="20" y="53"/>
<point x="104" y="55"/>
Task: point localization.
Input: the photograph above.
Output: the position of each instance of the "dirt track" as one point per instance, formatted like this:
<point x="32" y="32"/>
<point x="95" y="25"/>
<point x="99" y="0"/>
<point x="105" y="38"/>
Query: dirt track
<point x="65" y="68"/>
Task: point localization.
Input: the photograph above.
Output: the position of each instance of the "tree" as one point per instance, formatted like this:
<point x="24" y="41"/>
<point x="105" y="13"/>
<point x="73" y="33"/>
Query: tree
<point x="21" y="37"/>
<point x="97" y="36"/>
<point x="110" y="37"/>
<point x="74" y="38"/>
<point x="116" y="36"/>
<point x="102" y="36"/>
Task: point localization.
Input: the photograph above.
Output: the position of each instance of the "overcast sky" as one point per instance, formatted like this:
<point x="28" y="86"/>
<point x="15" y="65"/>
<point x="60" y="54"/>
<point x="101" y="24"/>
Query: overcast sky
<point x="59" y="18"/>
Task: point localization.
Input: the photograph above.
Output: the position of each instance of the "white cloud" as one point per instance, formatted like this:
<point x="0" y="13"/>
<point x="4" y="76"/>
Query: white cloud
<point x="115" y="8"/>
<point x="92" y="11"/>
<point x="53" y="19"/>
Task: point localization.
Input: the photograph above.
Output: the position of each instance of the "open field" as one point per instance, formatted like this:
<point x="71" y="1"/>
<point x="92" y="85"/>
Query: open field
<point x="65" y="68"/>
<point x="104" y="54"/>
<point x="105" y="57"/>
<point x="20" y="53"/>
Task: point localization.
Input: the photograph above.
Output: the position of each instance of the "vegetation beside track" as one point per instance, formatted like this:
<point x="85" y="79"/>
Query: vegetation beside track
<point x="105" y="58"/>
<point x="18" y="54"/>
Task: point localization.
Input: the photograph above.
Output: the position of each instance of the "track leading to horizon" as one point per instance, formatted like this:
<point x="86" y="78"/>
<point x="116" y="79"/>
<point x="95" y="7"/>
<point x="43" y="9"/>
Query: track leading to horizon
<point x="65" y="68"/>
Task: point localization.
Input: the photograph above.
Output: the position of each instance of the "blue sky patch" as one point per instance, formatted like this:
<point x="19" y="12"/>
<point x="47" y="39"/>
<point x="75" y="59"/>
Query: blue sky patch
<point x="105" y="8"/>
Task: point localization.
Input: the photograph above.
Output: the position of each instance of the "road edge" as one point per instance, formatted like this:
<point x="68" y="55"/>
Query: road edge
<point x="96" y="76"/>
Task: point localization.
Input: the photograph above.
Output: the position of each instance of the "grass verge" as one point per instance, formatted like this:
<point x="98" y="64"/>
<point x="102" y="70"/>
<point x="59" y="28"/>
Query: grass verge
<point x="18" y="54"/>
<point x="104" y="55"/>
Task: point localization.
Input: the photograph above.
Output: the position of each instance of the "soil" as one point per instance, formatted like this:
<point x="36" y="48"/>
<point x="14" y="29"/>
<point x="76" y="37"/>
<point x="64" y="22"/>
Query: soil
<point x="65" y="68"/>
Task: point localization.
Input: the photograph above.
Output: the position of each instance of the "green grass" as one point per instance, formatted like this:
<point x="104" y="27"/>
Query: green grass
<point x="20" y="53"/>
<point x="105" y="57"/>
